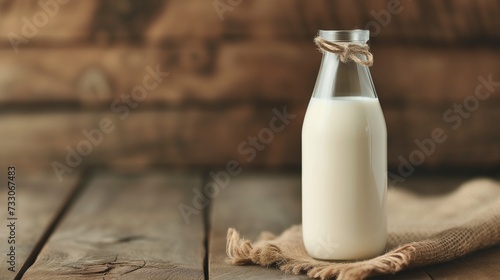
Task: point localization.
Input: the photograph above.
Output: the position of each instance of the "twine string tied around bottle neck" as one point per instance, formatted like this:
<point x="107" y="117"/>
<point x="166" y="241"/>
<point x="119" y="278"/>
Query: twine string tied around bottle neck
<point x="346" y="51"/>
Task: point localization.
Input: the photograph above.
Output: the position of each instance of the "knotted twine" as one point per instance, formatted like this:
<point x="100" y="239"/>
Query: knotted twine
<point x="423" y="230"/>
<point x="346" y="51"/>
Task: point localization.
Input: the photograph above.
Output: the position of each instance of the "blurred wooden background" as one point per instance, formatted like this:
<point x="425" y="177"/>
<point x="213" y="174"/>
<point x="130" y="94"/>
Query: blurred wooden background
<point x="226" y="76"/>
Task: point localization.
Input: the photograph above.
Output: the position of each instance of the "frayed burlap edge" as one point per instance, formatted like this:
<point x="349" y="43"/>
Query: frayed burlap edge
<point x="242" y="252"/>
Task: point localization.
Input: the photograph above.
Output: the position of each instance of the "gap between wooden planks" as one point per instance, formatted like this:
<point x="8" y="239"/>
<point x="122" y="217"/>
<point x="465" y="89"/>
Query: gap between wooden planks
<point x="127" y="227"/>
<point x="40" y="200"/>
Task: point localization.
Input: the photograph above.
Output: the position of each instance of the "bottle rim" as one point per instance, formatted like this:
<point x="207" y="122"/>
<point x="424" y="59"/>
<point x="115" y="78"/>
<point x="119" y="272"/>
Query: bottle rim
<point x="360" y="35"/>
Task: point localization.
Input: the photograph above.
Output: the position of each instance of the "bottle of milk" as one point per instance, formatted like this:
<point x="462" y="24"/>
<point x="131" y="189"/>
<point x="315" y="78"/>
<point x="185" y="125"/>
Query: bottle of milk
<point x="344" y="159"/>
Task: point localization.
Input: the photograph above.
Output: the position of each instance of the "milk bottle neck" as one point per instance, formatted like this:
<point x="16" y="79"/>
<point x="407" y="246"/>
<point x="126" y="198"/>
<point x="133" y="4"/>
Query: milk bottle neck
<point x="339" y="79"/>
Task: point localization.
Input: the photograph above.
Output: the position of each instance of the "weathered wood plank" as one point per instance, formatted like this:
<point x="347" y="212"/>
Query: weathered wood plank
<point x="39" y="199"/>
<point x="467" y="141"/>
<point x="199" y="73"/>
<point x="176" y="137"/>
<point x="162" y="21"/>
<point x="413" y="274"/>
<point x="435" y="76"/>
<point x="149" y="138"/>
<point x="210" y="74"/>
<point x="480" y="265"/>
<point x="421" y="21"/>
<point x="127" y="226"/>
<point x="252" y="204"/>
<point x="28" y="23"/>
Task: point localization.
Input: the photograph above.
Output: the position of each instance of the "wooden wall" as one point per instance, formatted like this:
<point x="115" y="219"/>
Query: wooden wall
<point x="226" y="76"/>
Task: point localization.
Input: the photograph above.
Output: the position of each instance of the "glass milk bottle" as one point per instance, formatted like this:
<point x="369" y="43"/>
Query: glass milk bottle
<point x="344" y="156"/>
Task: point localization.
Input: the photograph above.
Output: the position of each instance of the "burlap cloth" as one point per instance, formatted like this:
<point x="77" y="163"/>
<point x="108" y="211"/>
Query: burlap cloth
<point x="423" y="230"/>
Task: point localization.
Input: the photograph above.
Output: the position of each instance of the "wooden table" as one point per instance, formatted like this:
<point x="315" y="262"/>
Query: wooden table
<point x="105" y="225"/>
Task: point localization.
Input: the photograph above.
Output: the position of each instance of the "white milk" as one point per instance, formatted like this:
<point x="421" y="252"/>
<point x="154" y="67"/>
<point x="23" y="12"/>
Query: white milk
<point x="344" y="178"/>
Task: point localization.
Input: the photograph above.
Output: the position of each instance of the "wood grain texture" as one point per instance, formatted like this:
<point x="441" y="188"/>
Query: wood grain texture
<point x="252" y="204"/>
<point x="480" y="265"/>
<point x="210" y="74"/>
<point x="178" y="137"/>
<point x="200" y="72"/>
<point x="468" y="141"/>
<point x="39" y="198"/>
<point x="413" y="274"/>
<point x="409" y="21"/>
<point x="435" y="76"/>
<point x="127" y="227"/>
<point x="161" y="21"/>
<point x="42" y="22"/>
<point x="150" y="138"/>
